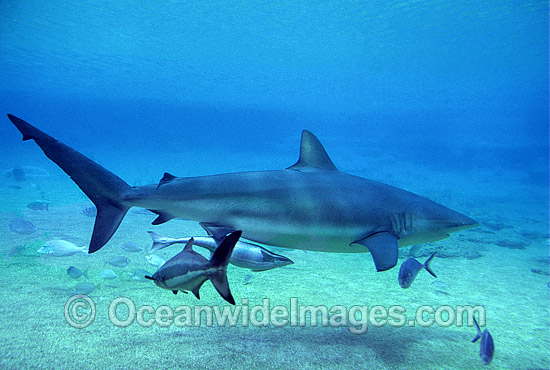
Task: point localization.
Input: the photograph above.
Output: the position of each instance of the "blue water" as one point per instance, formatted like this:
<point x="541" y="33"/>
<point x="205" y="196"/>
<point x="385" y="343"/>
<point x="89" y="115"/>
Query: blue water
<point x="446" y="99"/>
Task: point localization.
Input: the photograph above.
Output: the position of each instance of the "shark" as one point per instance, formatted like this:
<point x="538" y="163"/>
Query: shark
<point x="188" y="270"/>
<point x="310" y="205"/>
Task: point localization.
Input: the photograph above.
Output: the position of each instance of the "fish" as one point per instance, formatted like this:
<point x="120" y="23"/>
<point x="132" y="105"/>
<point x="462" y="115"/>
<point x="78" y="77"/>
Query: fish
<point x="22" y="226"/>
<point x="139" y="275"/>
<point x="487" y="346"/>
<point x="188" y="270"/>
<point x="155" y="260"/>
<point x="22" y="173"/>
<point x="14" y="250"/>
<point x="410" y="268"/>
<point x="310" y="205"/>
<point x="75" y="273"/>
<point x="90" y="211"/>
<point x="131" y="247"/>
<point x="39" y="206"/>
<point x="83" y="288"/>
<point x="61" y="248"/>
<point x="245" y="255"/>
<point x="108" y="274"/>
<point x="119" y="261"/>
<point x="18" y="173"/>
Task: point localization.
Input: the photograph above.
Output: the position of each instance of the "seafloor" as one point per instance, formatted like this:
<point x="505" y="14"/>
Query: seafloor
<point x="504" y="268"/>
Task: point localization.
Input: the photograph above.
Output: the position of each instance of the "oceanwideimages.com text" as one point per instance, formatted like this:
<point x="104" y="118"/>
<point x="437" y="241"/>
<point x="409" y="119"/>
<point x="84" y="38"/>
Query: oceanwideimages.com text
<point x="80" y="312"/>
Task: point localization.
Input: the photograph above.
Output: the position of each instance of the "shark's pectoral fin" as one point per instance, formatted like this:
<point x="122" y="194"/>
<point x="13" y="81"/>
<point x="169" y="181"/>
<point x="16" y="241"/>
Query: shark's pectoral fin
<point x="383" y="247"/>
<point x="196" y="290"/>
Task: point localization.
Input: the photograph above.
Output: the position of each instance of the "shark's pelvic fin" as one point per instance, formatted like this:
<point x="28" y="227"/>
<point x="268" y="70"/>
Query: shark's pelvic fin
<point x="312" y="155"/>
<point x="103" y="187"/>
<point x="384" y="249"/>
<point x="218" y="232"/>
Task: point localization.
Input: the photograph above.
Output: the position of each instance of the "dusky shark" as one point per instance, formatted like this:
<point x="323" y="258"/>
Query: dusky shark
<point x="245" y="255"/>
<point x="311" y="205"/>
<point x="188" y="270"/>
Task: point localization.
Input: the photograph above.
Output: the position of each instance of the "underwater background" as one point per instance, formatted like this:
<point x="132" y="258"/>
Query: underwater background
<point x="448" y="100"/>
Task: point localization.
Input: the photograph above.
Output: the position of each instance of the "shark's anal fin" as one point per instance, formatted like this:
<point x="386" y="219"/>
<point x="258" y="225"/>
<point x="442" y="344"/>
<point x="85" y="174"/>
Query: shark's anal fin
<point x="383" y="247"/>
<point x="162" y="217"/>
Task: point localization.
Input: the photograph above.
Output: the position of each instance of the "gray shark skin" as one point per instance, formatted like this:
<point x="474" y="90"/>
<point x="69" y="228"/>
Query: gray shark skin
<point x="245" y="255"/>
<point x="188" y="270"/>
<point x="310" y="205"/>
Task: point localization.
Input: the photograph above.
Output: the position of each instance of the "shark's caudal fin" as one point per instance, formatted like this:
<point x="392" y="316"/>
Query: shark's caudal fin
<point x="103" y="188"/>
<point x="220" y="259"/>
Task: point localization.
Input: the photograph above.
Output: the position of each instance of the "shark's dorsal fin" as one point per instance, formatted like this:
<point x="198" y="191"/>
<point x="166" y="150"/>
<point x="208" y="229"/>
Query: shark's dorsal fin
<point x="312" y="155"/>
<point x="166" y="179"/>
<point x="189" y="245"/>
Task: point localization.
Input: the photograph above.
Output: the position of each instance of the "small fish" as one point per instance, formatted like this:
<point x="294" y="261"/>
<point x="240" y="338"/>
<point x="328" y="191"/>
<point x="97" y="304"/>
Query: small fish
<point x="108" y="274"/>
<point x="74" y="272"/>
<point x="90" y="211"/>
<point x="246" y="279"/>
<point x="83" y="288"/>
<point x="61" y="248"/>
<point x="410" y="268"/>
<point x="120" y="261"/>
<point x="188" y="270"/>
<point x="16" y="249"/>
<point x="39" y="206"/>
<point x="132" y="247"/>
<point x="487" y="346"/>
<point x="22" y="226"/>
<point x="18" y="173"/>
<point x="22" y="173"/>
<point x="139" y="275"/>
<point x="16" y="187"/>
<point x="155" y="260"/>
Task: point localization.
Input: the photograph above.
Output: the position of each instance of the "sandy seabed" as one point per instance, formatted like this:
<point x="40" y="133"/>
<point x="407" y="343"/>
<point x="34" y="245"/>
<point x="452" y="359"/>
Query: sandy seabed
<point x="513" y="215"/>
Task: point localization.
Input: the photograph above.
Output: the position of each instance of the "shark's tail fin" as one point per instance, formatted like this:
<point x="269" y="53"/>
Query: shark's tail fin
<point x="103" y="187"/>
<point x="219" y="260"/>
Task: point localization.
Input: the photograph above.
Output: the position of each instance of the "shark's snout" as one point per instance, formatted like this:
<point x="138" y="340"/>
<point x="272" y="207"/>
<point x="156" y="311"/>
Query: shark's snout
<point x="462" y="222"/>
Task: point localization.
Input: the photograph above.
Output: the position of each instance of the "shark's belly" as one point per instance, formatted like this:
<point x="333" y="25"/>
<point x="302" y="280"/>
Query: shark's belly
<point x="315" y="237"/>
